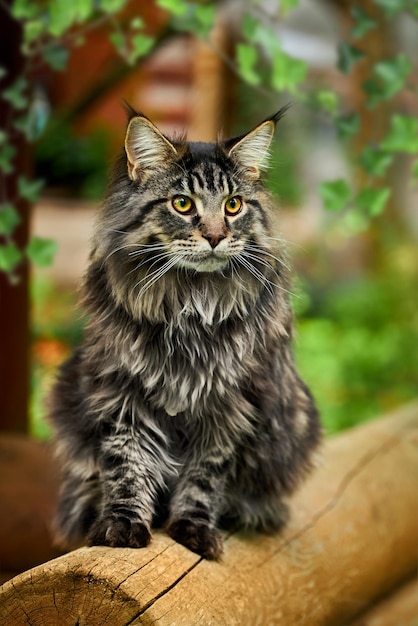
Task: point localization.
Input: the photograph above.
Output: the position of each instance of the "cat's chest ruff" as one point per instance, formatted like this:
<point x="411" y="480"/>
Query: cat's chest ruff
<point x="183" y="368"/>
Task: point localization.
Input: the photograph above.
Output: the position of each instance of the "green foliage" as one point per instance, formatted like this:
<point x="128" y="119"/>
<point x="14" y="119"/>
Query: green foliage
<point x="355" y="345"/>
<point x="335" y="194"/>
<point x="41" y="251"/>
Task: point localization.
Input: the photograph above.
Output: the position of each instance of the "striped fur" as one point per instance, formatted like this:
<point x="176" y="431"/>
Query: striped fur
<point x="183" y="406"/>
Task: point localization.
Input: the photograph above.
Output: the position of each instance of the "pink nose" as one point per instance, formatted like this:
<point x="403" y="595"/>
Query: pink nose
<point x="214" y="238"/>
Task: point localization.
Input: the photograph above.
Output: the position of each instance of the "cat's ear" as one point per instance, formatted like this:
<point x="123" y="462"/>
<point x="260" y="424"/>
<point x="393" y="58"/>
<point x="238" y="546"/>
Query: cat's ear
<point x="146" y="148"/>
<point x="251" y="151"/>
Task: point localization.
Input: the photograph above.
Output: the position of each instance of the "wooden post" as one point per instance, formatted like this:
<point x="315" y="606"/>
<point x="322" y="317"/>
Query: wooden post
<point x="14" y="299"/>
<point x="351" y="539"/>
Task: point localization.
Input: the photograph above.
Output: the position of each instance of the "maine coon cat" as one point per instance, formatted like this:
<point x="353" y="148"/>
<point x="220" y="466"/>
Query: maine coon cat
<point x="183" y="406"/>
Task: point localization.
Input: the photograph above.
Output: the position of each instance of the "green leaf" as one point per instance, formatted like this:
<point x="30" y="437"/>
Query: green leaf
<point x="363" y="23"/>
<point x="3" y="137"/>
<point x="24" y="9"/>
<point x="393" y="7"/>
<point x="374" y="91"/>
<point x="328" y="100"/>
<point x="348" y="56"/>
<point x="62" y="15"/>
<point x="7" y="154"/>
<point x="33" y="29"/>
<point x="287" y="72"/>
<point x="250" y="25"/>
<point x="286" y="5"/>
<point x="247" y="57"/>
<point x="41" y="251"/>
<point x="141" y="45"/>
<point x="3" y="72"/>
<point x="83" y="9"/>
<point x="348" y="125"/>
<point x="335" y="194"/>
<point x="403" y="135"/>
<point x="55" y="55"/>
<point x="205" y="19"/>
<point x="119" y="41"/>
<point x="9" y="219"/>
<point x="10" y="256"/>
<point x="373" y="201"/>
<point x="374" y="161"/>
<point x="111" y="6"/>
<point x="175" y="7"/>
<point x="29" y="189"/>
<point x="15" y="94"/>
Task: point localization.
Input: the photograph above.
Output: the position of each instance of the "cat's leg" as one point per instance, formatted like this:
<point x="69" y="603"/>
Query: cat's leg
<point x="78" y="506"/>
<point x="197" y="502"/>
<point x="133" y="464"/>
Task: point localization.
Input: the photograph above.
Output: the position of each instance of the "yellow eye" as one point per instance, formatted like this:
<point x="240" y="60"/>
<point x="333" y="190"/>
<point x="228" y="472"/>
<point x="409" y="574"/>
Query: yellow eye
<point x="233" y="206"/>
<point x="182" y="204"/>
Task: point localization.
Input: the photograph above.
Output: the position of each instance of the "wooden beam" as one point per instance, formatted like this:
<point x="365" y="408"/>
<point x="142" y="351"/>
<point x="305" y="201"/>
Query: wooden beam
<point x="351" y="539"/>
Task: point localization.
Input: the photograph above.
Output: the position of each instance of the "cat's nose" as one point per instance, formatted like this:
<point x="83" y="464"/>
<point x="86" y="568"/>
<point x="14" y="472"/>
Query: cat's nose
<point x="214" y="238"/>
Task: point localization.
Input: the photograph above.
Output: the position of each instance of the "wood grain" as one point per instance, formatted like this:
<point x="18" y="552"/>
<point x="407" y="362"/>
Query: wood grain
<point x="352" y="538"/>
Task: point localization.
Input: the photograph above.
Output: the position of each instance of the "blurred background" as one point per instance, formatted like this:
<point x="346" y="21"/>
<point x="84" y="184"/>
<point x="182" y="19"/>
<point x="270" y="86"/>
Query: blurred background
<point x="204" y="68"/>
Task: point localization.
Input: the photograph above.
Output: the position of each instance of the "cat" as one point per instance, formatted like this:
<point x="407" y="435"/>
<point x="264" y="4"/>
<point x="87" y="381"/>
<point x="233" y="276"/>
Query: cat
<point x="183" y="406"/>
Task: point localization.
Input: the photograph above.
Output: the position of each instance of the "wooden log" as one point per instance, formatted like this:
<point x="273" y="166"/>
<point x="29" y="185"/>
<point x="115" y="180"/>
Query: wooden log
<point x="352" y="538"/>
<point x="400" y="609"/>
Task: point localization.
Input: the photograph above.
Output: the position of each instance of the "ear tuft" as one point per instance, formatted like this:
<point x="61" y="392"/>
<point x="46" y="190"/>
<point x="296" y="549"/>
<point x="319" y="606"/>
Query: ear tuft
<point x="251" y="151"/>
<point x="146" y="148"/>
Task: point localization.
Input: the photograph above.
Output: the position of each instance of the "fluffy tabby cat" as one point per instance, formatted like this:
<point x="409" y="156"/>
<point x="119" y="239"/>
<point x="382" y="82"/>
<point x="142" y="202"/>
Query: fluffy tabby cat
<point x="183" y="405"/>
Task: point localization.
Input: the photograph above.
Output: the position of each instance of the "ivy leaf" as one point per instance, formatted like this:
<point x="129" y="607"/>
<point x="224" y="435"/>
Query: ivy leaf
<point x="41" y="251"/>
<point x="62" y="15"/>
<point x="348" y="125"/>
<point x="111" y="6"/>
<point x="7" y="154"/>
<point x="175" y="7"/>
<point x="402" y="136"/>
<point x="363" y="23"/>
<point x="9" y="219"/>
<point x="29" y="189"/>
<point x="373" y="201"/>
<point x="328" y="100"/>
<point x="205" y="18"/>
<point x="287" y="72"/>
<point x="250" y="26"/>
<point x="374" y="161"/>
<point x="55" y="55"/>
<point x="10" y="256"/>
<point x="83" y="9"/>
<point x="348" y="56"/>
<point x="141" y="45"/>
<point x="393" y="7"/>
<point x="24" y="9"/>
<point x="15" y="94"/>
<point x="286" y="5"/>
<point x="119" y="42"/>
<point x="335" y="194"/>
<point x="247" y="58"/>
<point x="33" y="29"/>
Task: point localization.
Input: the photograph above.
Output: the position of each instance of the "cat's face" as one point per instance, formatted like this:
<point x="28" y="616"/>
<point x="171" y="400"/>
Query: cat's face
<point x="198" y="207"/>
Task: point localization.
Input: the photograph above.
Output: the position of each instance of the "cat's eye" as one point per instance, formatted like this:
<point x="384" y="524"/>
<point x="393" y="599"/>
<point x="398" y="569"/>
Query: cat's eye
<point x="182" y="204"/>
<point x="233" y="205"/>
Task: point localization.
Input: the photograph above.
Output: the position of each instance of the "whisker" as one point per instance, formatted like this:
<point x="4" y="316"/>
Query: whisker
<point x="266" y="253"/>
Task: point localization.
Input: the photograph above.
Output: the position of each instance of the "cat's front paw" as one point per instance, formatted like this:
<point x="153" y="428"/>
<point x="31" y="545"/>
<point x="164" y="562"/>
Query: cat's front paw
<point x="119" y="532"/>
<point x="197" y="536"/>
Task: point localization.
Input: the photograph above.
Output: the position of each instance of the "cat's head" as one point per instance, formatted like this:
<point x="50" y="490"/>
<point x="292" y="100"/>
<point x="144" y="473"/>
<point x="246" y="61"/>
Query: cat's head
<point x="193" y="207"/>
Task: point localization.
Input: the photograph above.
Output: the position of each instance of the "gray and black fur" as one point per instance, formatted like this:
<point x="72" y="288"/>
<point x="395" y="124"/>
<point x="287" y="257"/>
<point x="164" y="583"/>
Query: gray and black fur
<point x="183" y="405"/>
